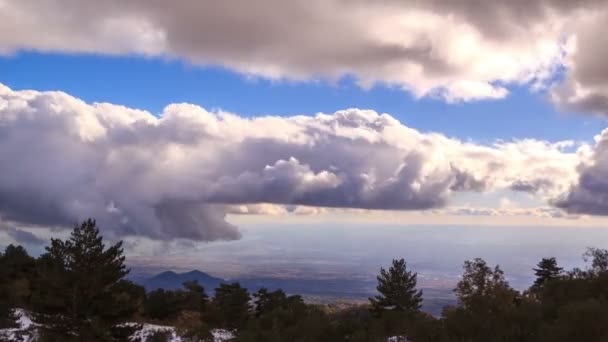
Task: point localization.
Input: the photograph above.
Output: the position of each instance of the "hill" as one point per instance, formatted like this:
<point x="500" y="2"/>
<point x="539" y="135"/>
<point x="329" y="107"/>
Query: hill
<point x="170" y="280"/>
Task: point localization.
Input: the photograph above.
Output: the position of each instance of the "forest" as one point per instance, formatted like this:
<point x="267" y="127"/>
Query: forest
<point x="77" y="291"/>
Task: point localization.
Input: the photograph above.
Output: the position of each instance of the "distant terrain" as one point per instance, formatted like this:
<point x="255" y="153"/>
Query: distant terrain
<point x="316" y="291"/>
<point x="170" y="280"/>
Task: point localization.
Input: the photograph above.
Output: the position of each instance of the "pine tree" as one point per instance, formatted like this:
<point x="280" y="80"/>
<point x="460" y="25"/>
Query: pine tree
<point x="81" y="295"/>
<point x="6" y="319"/>
<point x="397" y="289"/>
<point x="546" y="270"/>
<point x="195" y="297"/>
<point x="232" y="303"/>
<point x="17" y="270"/>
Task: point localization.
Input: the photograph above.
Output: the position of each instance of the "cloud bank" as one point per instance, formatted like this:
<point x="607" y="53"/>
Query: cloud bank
<point x="178" y="174"/>
<point x="459" y="50"/>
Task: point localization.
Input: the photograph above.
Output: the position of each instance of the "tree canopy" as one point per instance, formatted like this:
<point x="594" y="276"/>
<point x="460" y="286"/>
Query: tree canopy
<point x="77" y="291"/>
<point x="397" y="289"/>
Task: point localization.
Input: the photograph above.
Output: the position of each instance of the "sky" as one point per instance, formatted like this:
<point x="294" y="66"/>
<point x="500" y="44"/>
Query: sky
<point x="183" y="122"/>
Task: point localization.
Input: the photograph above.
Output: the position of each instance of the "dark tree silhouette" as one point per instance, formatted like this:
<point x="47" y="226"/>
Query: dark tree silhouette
<point x="17" y="271"/>
<point x="483" y="287"/>
<point x="545" y="271"/>
<point x="397" y="288"/>
<point x="232" y="303"/>
<point x="598" y="258"/>
<point x="81" y="295"/>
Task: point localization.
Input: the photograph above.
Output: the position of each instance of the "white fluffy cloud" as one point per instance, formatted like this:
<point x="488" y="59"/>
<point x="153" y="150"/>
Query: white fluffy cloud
<point x="177" y="175"/>
<point x="455" y="49"/>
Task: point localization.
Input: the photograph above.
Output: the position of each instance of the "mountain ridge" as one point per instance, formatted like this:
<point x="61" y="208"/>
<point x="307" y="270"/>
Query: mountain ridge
<point x="170" y="280"/>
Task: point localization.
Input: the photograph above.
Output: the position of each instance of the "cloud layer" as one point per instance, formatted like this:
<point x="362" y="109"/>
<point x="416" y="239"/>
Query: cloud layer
<point x="178" y="174"/>
<point x="455" y="49"/>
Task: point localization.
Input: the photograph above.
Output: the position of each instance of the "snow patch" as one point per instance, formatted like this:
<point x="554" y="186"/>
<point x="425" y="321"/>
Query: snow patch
<point x="26" y="331"/>
<point x="397" y="339"/>
<point x="148" y="330"/>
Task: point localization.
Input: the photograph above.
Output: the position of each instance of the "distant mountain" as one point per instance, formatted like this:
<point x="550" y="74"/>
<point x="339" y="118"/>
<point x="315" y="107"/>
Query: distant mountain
<point x="170" y="280"/>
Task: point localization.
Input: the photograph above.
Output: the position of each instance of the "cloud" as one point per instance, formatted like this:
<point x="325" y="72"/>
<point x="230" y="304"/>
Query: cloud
<point x="458" y="50"/>
<point x="258" y="209"/>
<point x="19" y="235"/>
<point x="544" y="211"/>
<point x="24" y="237"/>
<point x="589" y="195"/>
<point x="585" y="88"/>
<point x="178" y="175"/>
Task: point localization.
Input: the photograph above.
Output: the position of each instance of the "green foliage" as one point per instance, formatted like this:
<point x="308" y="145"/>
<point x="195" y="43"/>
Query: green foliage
<point x="77" y="292"/>
<point x="81" y="294"/>
<point x="167" y="305"/>
<point x="162" y="305"/>
<point x="279" y="317"/>
<point x="488" y="309"/>
<point x="17" y="272"/>
<point x="585" y="320"/>
<point x="397" y="289"/>
<point x="19" y="269"/>
<point x="483" y="288"/>
<point x="231" y="302"/>
<point x="547" y="270"/>
<point x="599" y="260"/>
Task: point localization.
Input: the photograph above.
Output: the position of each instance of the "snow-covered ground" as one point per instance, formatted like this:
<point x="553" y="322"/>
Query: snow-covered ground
<point x="26" y="331"/>
<point x="148" y="330"/>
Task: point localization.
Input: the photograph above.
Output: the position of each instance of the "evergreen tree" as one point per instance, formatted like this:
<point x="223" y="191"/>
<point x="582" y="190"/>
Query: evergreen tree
<point x="232" y="304"/>
<point x="546" y="270"/>
<point x="6" y="319"/>
<point x="266" y="301"/>
<point x="194" y="298"/>
<point x="162" y="304"/>
<point x="279" y="317"/>
<point x="17" y="271"/>
<point x="81" y="295"/>
<point x="397" y="289"/>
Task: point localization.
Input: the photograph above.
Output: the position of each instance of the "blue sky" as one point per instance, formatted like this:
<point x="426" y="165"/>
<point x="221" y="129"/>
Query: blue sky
<point x="495" y="124"/>
<point x="153" y="83"/>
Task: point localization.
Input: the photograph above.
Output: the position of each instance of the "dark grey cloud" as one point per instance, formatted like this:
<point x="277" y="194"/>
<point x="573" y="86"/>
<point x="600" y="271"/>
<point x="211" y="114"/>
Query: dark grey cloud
<point x="24" y="237"/>
<point x="178" y="175"/>
<point x="590" y="194"/>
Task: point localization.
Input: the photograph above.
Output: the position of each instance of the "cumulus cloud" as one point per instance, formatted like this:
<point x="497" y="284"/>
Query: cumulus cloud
<point x="585" y="88"/>
<point x="177" y="175"/>
<point x="589" y="195"/>
<point x="455" y="49"/>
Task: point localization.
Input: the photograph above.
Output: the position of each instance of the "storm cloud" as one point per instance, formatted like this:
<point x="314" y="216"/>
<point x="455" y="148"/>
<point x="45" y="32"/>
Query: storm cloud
<point x="178" y="174"/>
<point x="589" y="195"/>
